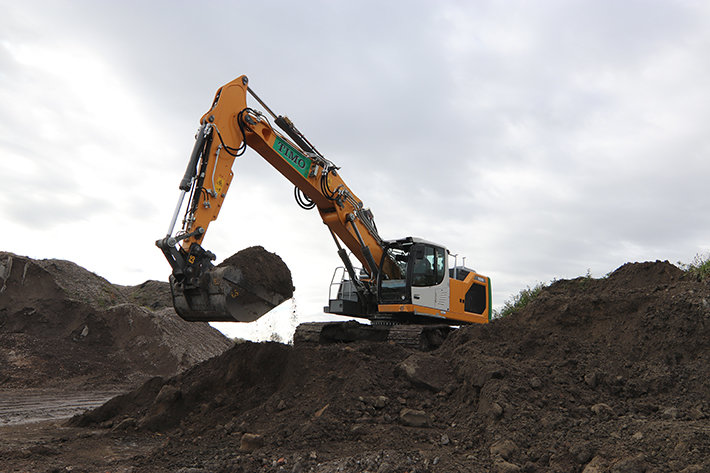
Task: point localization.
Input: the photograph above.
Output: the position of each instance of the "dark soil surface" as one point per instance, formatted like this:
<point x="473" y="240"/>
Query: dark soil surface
<point x="594" y="375"/>
<point x="262" y="268"/>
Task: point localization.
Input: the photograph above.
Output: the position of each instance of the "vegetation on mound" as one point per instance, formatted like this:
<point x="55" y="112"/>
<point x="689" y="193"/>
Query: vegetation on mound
<point x="699" y="267"/>
<point x="520" y="300"/>
<point x="527" y="295"/>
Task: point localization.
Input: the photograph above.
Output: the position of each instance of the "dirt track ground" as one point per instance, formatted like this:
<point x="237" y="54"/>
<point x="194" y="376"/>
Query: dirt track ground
<point x="22" y="406"/>
<point x="51" y="446"/>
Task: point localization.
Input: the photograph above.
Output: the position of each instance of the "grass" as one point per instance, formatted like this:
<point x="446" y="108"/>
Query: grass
<point x="699" y="268"/>
<point x="520" y="300"/>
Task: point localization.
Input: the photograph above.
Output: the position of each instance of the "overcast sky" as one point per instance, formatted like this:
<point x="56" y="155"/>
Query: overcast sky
<point x="539" y="139"/>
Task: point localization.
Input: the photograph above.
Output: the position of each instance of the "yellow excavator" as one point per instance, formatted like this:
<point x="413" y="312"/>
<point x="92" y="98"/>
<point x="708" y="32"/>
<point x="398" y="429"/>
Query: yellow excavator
<point x="403" y="281"/>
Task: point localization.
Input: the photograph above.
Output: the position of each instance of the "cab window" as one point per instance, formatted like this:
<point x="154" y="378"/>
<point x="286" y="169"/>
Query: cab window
<point x="440" y="266"/>
<point x="429" y="266"/>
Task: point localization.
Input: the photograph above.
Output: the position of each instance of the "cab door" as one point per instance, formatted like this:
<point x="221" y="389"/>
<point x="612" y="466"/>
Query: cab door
<point x="427" y="276"/>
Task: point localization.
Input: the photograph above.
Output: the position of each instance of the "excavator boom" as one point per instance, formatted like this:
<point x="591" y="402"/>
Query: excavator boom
<point x="407" y="279"/>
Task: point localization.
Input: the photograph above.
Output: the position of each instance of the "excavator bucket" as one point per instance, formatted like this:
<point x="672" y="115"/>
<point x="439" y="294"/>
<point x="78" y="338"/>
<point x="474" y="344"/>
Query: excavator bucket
<point x="241" y="289"/>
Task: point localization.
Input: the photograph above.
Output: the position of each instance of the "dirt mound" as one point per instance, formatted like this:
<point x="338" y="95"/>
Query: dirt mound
<point x="597" y="375"/>
<point x="152" y="294"/>
<point x="644" y="275"/>
<point x="61" y="325"/>
<point x="612" y="372"/>
<point x="262" y="268"/>
<point x="593" y="375"/>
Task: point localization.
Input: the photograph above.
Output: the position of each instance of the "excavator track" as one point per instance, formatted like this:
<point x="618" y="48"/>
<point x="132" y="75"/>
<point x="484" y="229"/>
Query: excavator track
<point x="417" y="337"/>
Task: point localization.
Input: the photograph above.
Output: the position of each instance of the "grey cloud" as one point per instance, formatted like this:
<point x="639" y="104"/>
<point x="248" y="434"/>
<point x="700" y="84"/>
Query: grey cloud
<point x="539" y="139"/>
<point x="45" y="211"/>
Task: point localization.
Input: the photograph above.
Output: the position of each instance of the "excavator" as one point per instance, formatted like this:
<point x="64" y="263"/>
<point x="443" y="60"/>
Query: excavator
<point x="402" y="286"/>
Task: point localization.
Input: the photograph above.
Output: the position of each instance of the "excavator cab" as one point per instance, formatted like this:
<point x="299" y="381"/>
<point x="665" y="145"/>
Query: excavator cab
<point x="416" y="282"/>
<point x="411" y="271"/>
<point x="416" y="285"/>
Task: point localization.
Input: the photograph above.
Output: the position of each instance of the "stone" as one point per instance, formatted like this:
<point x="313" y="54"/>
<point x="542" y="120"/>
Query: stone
<point x="582" y="452"/>
<point x="489" y="408"/>
<point x="635" y="464"/>
<point x="591" y="379"/>
<point x="692" y="469"/>
<point x="506" y="467"/>
<point x="427" y="371"/>
<point x="696" y="413"/>
<point x="603" y="410"/>
<point x="413" y="417"/>
<point x="681" y="448"/>
<point x="504" y="448"/>
<point x="251" y="442"/>
<point x="482" y="374"/>
<point x="380" y="402"/>
<point x="496" y="410"/>
<point x="595" y="466"/>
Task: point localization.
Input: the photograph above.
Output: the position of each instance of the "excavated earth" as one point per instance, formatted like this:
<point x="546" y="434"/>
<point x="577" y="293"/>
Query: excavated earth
<point x="594" y="375"/>
<point x="62" y="327"/>
<point x="263" y="269"/>
<point x="70" y="340"/>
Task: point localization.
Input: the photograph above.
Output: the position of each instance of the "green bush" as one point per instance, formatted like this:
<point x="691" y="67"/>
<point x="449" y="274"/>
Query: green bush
<point x="699" y="268"/>
<point x="520" y="300"/>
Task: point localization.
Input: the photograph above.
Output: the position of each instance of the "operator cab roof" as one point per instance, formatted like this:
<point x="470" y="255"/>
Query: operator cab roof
<point x="409" y="241"/>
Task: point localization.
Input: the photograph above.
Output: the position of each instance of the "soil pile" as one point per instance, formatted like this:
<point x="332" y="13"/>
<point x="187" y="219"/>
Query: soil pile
<point x="262" y="269"/>
<point x="63" y="326"/>
<point x="594" y="375"/>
